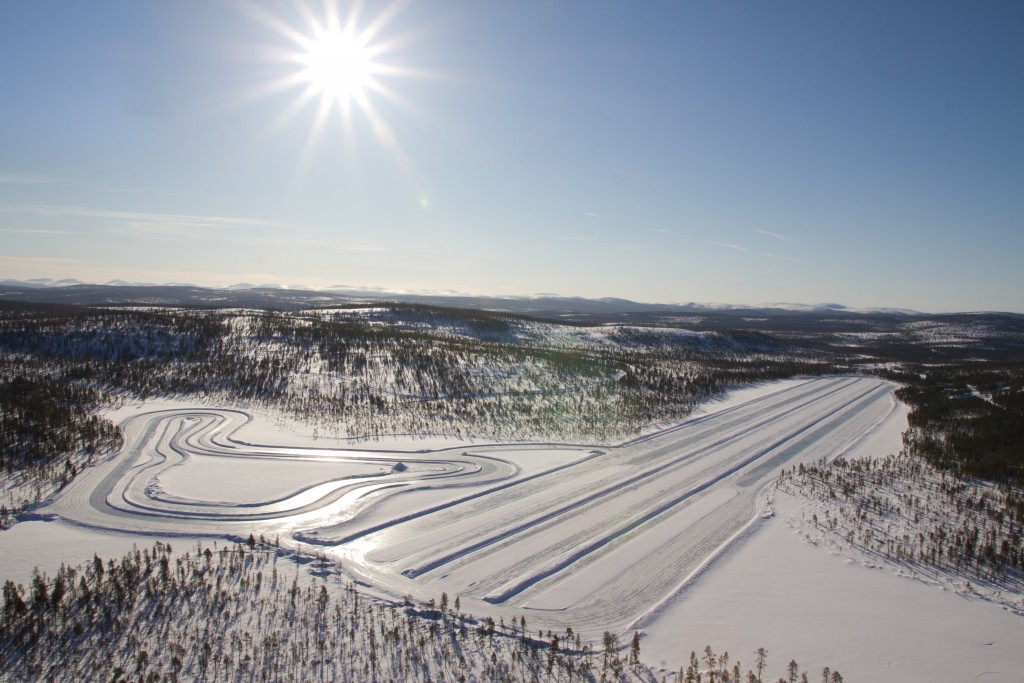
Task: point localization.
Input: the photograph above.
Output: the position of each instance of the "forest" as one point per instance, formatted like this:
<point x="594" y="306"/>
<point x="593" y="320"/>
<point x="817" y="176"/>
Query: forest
<point x="244" y="612"/>
<point x="950" y="504"/>
<point x="359" y="372"/>
<point x="903" y="510"/>
<point x="967" y="418"/>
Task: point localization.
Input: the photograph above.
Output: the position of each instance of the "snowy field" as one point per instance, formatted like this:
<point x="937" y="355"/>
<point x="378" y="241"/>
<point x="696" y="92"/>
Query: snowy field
<point x="796" y="599"/>
<point x="672" y="533"/>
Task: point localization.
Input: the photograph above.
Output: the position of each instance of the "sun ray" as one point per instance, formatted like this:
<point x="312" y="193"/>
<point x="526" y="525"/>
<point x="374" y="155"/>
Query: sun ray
<point x="339" y="62"/>
<point x="269" y="20"/>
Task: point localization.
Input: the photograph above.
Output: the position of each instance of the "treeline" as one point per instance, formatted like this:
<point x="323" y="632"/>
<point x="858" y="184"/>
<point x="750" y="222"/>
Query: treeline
<point x="491" y="325"/>
<point x="72" y="333"/>
<point x="967" y="418"/>
<point x="902" y="509"/>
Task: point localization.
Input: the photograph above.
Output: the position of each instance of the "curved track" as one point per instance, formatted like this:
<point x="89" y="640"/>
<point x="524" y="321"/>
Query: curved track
<point x="593" y="540"/>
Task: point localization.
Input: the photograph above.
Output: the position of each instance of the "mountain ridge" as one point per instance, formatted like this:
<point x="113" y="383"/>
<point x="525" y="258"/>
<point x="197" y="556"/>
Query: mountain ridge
<point x="119" y="292"/>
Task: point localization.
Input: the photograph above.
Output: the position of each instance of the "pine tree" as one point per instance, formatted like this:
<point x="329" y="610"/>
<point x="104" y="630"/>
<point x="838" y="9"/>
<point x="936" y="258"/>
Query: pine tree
<point x="792" y="670"/>
<point x="692" y="671"/>
<point x="14" y="606"/>
<point x="760" y="662"/>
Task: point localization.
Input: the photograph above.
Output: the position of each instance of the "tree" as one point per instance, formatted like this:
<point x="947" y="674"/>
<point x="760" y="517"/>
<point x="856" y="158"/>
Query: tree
<point x="40" y="593"/>
<point x="709" y="658"/>
<point x="611" y="645"/>
<point x="760" y="662"/>
<point x="14" y="606"/>
<point x="634" y="649"/>
<point x="692" y="669"/>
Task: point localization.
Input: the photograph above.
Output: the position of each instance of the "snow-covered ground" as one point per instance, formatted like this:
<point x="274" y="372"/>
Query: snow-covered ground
<point x="46" y="544"/>
<point x="798" y="600"/>
<point x="667" y="533"/>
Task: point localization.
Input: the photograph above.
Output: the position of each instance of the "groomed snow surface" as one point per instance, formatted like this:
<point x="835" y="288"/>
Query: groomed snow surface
<point x="671" y="533"/>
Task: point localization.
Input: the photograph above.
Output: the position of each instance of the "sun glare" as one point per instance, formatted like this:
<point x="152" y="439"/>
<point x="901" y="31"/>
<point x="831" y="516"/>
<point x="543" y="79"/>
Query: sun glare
<point x="342" y="65"/>
<point x="338" y="65"/>
<point x="335" y="60"/>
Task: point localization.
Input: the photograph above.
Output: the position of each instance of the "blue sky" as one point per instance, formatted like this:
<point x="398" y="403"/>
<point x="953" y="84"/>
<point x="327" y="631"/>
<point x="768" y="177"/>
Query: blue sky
<point x="869" y="154"/>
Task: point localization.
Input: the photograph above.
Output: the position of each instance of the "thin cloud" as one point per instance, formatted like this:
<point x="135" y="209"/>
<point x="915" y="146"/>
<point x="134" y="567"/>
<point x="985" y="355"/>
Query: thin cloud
<point x="610" y="243"/>
<point x="193" y="233"/>
<point x="230" y="229"/>
<point x="788" y="259"/>
<point x="279" y="241"/>
<point x="657" y="230"/>
<point x="27" y="179"/>
<point x="122" y="190"/>
<point x="14" y="260"/>
<point x="33" y="231"/>
<point x="770" y="234"/>
<point x="726" y="245"/>
<point x="599" y="216"/>
<point x="148" y="218"/>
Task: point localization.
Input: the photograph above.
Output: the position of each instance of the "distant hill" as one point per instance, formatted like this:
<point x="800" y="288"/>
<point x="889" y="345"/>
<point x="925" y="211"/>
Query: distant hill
<point x="273" y="296"/>
<point x="891" y="333"/>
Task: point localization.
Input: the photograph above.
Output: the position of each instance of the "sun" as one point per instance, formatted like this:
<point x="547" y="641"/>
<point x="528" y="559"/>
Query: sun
<point x="334" y="60"/>
<point x="338" y="65"/>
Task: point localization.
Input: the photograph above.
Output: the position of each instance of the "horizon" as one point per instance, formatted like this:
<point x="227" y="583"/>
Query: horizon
<point x="342" y="289"/>
<point x="869" y="155"/>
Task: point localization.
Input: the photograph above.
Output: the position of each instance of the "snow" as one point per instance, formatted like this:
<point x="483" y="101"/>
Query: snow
<point x="776" y="591"/>
<point x="48" y="544"/>
<point x="210" y="479"/>
<point x="669" y="532"/>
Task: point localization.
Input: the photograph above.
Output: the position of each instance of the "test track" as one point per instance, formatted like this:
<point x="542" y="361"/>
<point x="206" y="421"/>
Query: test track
<point x="593" y="540"/>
